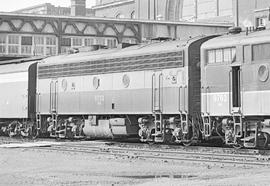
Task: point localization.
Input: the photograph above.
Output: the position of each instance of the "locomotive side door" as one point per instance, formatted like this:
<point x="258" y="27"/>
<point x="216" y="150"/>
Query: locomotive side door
<point x="157" y="93"/>
<point x="236" y="88"/>
<point x="54" y="100"/>
<point x="236" y="102"/>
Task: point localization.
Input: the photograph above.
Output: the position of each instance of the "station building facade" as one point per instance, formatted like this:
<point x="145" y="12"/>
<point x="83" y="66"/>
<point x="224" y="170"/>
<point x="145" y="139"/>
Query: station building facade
<point x="170" y="10"/>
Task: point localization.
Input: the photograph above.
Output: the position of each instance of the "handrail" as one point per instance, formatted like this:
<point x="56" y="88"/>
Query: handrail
<point x="207" y="91"/>
<point x="153" y="92"/>
<point x="184" y="101"/>
<point x="160" y="91"/>
<point x="38" y="110"/>
<point x="179" y="99"/>
<point x="202" y="99"/>
<point x="241" y="89"/>
<point x="51" y="96"/>
<point x="230" y="99"/>
<point x="56" y="95"/>
<point x="37" y="103"/>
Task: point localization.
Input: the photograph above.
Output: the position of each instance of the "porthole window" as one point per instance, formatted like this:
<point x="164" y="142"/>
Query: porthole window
<point x="96" y="82"/>
<point x="263" y="73"/>
<point x="126" y="80"/>
<point x="64" y="84"/>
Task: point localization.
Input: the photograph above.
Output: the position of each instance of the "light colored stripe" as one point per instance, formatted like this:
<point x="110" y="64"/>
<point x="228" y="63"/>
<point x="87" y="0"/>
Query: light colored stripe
<point x="14" y="77"/>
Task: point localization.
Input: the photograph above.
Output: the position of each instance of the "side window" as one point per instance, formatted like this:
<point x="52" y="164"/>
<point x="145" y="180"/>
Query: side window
<point x="211" y="56"/>
<point x="260" y="52"/>
<point x="227" y="55"/>
<point x="233" y="54"/>
<point x="221" y="55"/>
<point x="246" y="53"/>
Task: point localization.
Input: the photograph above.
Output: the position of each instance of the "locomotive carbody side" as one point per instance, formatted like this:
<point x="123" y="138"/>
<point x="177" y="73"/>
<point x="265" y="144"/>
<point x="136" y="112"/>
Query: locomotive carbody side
<point x="235" y="85"/>
<point x="18" y="97"/>
<point x="14" y="91"/>
<point x="113" y="85"/>
<point x="154" y="86"/>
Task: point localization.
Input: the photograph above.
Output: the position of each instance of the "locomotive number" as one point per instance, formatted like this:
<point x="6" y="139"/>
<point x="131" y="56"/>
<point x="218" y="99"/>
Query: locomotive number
<point x="220" y="98"/>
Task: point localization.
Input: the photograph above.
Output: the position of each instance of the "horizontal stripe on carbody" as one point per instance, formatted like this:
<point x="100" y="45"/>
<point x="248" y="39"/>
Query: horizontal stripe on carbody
<point x="13" y="77"/>
<point x="123" y="101"/>
<point x="252" y="103"/>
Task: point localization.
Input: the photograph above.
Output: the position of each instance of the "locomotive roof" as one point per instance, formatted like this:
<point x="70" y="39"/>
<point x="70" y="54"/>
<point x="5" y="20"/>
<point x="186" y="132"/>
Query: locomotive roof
<point x="18" y="65"/>
<point x="242" y="38"/>
<point x="136" y="50"/>
<point x="15" y="67"/>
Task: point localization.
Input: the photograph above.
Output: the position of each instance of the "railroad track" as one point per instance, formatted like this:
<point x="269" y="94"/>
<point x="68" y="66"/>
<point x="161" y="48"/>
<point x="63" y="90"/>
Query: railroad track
<point x="165" y="154"/>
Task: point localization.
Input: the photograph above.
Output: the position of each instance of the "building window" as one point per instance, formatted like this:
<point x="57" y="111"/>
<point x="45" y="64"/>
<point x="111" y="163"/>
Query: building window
<point x="77" y="42"/>
<point x="3" y="39"/>
<point x="26" y="50"/>
<point x="111" y="43"/>
<point x="39" y="50"/>
<point x="50" y="41"/>
<point x="89" y="41"/>
<point x="39" y="40"/>
<point x="13" y="49"/>
<point x="260" y="21"/>
<point x="101" y="41"/>
<point x="50" y="50"/>
<point x="66" y="42"/>
<point x="38" y="45"/>
<point x="129" y="40"/>
<point x="51" y="46"/>
<point x="261" y="51"/>
<point x="13" y="44"/>
<point x="65" y="50"/>
<point x="26" y="42"/>
<point x="221" y="55"/>
<point x="13" y="39"/>
<point x="3" y="44"/>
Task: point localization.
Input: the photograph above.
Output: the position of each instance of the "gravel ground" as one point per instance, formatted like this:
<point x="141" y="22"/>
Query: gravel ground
<point x="35" y="167"/>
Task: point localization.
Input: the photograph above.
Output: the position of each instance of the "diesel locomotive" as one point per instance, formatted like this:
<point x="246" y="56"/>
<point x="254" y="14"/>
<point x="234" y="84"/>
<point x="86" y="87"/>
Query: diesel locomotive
<point x="207" y="88"/>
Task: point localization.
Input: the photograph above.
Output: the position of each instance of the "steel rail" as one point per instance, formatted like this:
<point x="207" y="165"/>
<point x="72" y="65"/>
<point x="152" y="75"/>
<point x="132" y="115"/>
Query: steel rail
<point x="164" y="155"/>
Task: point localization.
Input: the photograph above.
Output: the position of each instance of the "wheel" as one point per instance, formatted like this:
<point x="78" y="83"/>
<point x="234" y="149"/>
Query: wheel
<point x="34" y="133"/>
<point x="150" y="142"/>
<point x="238" y="146"/>
<point x="266" y="140"/>
<point x="12" y="129"/>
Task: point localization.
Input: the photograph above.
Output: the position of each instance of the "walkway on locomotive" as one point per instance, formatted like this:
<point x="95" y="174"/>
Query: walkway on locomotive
<point x="248" y="65"/>
<point x="118" y="92"/>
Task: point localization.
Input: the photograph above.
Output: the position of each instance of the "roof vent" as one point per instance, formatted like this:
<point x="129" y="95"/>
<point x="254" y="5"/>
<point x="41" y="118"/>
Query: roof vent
<point x="235" y="30"/>
<point x="125" y="45"/>
<point x="161" y="39"/>
<point x="261" y="27"/>
<point x="87" y="49"/>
